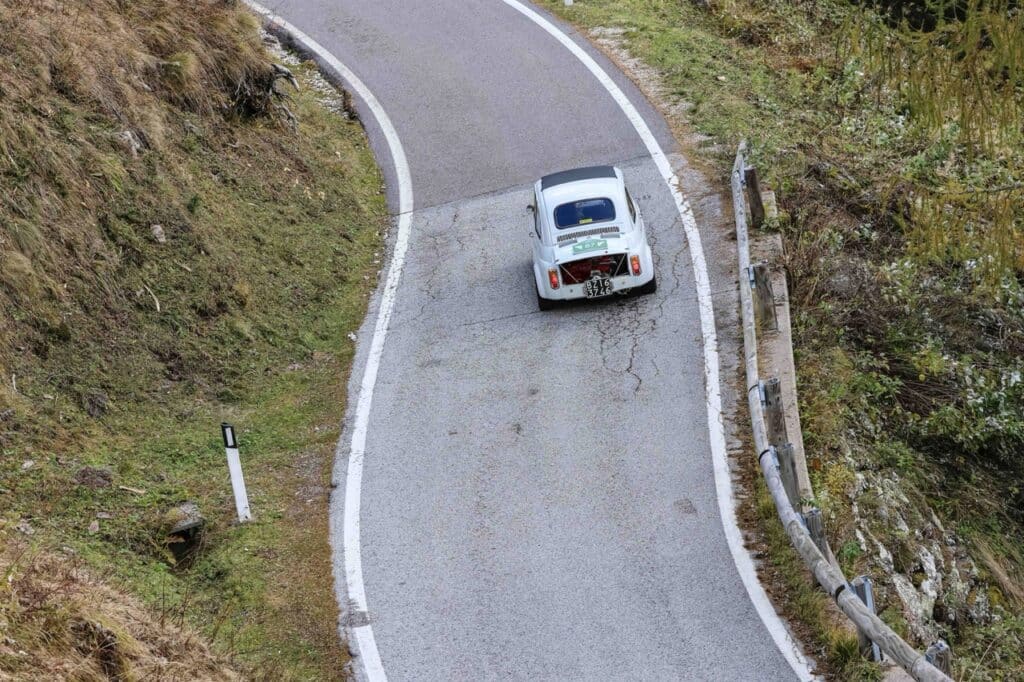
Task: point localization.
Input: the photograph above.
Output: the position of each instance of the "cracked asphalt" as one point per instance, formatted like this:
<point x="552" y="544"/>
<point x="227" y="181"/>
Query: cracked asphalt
<point x="538" y="496"/>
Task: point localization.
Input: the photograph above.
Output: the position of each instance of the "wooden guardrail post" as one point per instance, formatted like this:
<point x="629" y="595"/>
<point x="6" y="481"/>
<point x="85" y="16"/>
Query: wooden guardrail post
<point x="764" y="298"/>
<point x="816" y="529"/>
<point x="787" y="469"/>
<point x="774" y="412"/>
<point x="753" y="185"/>
<point x="862" y="587"/>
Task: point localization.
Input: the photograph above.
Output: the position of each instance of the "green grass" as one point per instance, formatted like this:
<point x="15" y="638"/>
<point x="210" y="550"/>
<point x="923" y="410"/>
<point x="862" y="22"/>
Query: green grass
<point x="906" y="352"/>
<point x="826" y="637"/>
<point x="124" y="352"/>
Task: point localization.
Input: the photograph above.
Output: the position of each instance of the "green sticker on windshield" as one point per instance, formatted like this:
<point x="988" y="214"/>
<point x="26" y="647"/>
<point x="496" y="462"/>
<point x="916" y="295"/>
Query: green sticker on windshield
<point x="590" y="245"/>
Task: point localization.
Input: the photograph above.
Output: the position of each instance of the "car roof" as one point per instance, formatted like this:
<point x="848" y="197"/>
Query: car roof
<point x="583" y="183"/>
<point x="577" y="174"/>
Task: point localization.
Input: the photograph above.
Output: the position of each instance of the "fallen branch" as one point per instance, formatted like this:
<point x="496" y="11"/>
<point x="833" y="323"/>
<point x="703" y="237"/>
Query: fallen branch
<point x="155" y="300"/>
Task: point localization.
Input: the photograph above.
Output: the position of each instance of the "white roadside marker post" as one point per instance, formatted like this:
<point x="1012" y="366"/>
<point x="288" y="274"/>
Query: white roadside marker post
<point x="235" y="469"/>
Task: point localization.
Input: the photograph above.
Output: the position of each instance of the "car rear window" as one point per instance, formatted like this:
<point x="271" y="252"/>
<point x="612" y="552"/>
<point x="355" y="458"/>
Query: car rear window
<point x="584" y="212"/>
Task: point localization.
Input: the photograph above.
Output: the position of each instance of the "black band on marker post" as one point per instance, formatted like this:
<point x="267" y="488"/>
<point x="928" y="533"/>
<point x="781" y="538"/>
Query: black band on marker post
<point x="227" y="432"/>
<point x="763" y="453"/>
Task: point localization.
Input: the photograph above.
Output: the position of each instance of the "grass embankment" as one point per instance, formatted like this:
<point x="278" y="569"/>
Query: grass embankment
<point x="897" y="157"/>
<point x="173" y="254"/>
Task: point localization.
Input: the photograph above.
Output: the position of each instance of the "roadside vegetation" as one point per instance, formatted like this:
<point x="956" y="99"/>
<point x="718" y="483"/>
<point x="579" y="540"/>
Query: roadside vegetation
<point x="185" y="239"/>
<point x="892" y="135"/>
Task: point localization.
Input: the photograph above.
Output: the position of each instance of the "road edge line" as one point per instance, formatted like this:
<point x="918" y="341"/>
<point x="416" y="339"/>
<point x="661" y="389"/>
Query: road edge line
<point x="786" y="643"/>
<point x="355" y="619"/>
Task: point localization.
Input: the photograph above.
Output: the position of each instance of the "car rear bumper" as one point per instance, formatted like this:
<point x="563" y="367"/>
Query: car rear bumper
<point x="620" y="284"/>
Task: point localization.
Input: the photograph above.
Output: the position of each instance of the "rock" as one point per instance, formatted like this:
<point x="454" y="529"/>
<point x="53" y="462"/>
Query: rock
<point x="131" y="142"/>
<point x="270" y="40"/>
<point x="106" y="516"/>
<point x="158" y="233"/>
<point x="28" y="464"/>
<point x="6" y="414"/>
<point x="24" y="528"/>
<point x="186" y="529"/>
<point x="94" y="477"/>
<point x="183" y="517"/>
<point x="94" y="527"/>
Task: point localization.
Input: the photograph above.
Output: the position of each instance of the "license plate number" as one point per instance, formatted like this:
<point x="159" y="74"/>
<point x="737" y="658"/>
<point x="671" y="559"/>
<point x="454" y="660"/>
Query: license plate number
<point x="599" y="286"/>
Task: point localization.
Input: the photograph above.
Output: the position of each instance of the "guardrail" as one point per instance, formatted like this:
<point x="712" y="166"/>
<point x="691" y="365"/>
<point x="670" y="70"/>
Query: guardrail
<point x="805" y="529"/>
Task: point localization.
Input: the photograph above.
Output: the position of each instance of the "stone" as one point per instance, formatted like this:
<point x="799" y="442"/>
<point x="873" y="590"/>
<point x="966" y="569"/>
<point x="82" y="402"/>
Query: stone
<point x="158" y="233"/>
<point x="186" y="530"/>
<point x="131" y="142"/>
<point x="184" y="517"/>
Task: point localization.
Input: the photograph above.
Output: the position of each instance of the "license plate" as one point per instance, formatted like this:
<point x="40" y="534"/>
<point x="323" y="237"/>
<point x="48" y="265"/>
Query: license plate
<point x="599" y="286"/>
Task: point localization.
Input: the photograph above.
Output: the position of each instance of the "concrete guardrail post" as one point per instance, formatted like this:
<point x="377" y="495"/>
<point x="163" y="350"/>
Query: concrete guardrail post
<point x="862" y="587"/>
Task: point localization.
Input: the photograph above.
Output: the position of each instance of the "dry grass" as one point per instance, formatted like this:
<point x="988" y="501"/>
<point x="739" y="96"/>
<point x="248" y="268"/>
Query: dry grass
<point x="124" y="346"/>
<point x="59" y="622"/>
<point x="84" y="91"/>
<point x="1008" y="578"/>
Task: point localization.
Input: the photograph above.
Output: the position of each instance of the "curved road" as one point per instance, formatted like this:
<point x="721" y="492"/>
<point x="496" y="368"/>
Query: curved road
<point x="538" y="491"/>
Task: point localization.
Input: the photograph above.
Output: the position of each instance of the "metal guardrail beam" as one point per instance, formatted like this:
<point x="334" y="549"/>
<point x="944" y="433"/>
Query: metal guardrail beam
<point x="826" y="574"/>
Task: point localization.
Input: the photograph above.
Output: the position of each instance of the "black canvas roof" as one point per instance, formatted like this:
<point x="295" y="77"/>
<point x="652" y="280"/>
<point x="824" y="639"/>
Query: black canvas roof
<point x="588" y="173"/>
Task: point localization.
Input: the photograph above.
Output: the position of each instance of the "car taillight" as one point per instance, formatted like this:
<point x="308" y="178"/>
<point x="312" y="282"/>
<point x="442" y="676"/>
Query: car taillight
<point x="634" y="262"/>
<point x="553" y="278"/>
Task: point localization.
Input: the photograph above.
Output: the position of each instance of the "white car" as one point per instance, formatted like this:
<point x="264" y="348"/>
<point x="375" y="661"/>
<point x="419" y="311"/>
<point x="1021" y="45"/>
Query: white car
<point x="588" y="239"/>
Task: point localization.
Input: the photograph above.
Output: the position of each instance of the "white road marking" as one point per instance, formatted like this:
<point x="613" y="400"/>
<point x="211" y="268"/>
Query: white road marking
<point x="354" y="588"/>
<point x="723" y="480"/>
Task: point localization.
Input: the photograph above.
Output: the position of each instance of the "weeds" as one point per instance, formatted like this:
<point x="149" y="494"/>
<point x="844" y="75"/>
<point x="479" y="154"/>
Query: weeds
<point x="959" y="83"/>
<point x="57" y="620"/>
<point x="893" y="144"/>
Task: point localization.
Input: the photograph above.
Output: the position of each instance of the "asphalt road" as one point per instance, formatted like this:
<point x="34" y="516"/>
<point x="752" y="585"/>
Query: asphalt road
<point x="538" y="495"/>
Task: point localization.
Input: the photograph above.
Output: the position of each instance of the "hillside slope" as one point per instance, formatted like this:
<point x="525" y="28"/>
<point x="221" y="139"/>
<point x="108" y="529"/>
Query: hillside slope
<point x="893" y="143"/>
<point x="179" y="246"/>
